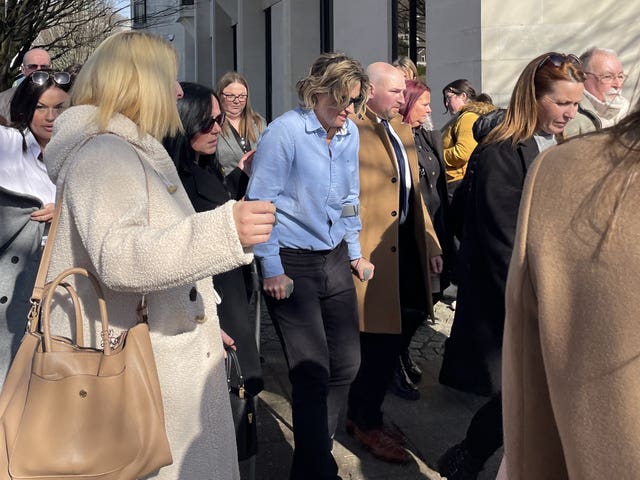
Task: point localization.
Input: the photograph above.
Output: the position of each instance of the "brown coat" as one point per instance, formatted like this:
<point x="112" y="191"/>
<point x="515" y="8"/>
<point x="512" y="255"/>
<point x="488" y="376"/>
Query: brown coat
<point x="571" y="368"/>
<point x="379" y="299"/>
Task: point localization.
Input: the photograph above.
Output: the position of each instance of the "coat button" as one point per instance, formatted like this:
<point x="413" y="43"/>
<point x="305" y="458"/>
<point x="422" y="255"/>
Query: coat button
<point x="394" y="179"/>
<point x="200" y="318"/>
<point x="15" y="259"/>
<point x="193" y="294"/>
<point x="394" y="213"/>
<point x="393" y="249"/>
<point x="172" y="189"/>
<point x="3" y="299"/>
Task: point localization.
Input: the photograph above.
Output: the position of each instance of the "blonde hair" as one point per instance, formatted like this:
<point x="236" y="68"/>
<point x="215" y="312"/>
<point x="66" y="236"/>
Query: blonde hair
<point x="408" y="68"/>
<point x="132" y="73"/>
<point x="335" y="74"/>
<point x="248" y="117"/>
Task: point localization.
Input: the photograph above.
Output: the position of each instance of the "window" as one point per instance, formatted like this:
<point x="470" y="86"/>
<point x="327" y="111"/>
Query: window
<point x="139" y="13"/>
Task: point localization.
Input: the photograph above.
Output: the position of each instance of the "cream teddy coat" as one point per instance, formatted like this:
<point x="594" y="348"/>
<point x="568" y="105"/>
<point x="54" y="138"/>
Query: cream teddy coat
<point x="126" y="217"/>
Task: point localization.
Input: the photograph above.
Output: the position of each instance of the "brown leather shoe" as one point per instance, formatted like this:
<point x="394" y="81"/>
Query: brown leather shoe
<point x="379" y="444"/>
<point x="395" y="433"/>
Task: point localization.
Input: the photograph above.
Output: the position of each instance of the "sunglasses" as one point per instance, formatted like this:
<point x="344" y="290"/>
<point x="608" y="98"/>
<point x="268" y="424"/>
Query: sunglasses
<point x="558" y="59"/>
<point x="40" y="77"/>
<point x="353" y="101"/>
<point x="35" y="66"/>
<point x="208" y="126"/>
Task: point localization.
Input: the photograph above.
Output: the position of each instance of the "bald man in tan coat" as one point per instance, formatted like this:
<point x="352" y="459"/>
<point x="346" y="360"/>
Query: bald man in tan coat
<point x="399" y="239"/>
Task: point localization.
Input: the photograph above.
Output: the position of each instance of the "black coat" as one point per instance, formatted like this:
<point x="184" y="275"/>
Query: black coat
<point x="207" y="189"/>
<point x="493" y="187"/>
<point x="433" y="181"/>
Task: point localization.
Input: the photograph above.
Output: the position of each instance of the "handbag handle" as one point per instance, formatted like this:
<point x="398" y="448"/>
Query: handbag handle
<point x="40" y="287"/>
<point x="102" y="305"/>
<point x="232" y="363"/>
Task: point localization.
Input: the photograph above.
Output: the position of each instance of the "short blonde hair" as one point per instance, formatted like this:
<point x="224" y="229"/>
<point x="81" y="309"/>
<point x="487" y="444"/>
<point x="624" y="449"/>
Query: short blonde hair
<point x="132" y="73"/>
<point x="335" y="74"/>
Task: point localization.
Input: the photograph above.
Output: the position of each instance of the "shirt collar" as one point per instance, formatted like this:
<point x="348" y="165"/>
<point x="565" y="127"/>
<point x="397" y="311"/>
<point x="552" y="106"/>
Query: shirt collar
<point x="312" y="124"/>
<point x="32" y="144"/>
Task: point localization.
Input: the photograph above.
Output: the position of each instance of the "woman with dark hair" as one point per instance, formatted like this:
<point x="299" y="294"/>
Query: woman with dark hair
<point x="242" y="125"/>
<point x="465" y="106"/>
<point x="194" y="153"/>
<point x="544" y="100"/>
<point x="27" y="197"/>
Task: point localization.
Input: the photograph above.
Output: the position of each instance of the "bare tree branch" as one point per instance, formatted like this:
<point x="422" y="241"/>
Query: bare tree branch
<point x="68" y="29"/>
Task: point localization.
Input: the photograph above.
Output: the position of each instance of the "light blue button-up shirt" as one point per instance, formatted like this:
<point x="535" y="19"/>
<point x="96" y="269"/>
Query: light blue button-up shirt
<point x="309" y="182"/>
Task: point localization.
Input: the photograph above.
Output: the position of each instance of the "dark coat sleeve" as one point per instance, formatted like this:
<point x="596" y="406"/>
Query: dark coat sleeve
<point x="500" y="171"/>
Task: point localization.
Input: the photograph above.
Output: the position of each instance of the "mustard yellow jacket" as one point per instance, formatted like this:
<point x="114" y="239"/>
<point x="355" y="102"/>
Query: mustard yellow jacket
<point x="457" y="138"/>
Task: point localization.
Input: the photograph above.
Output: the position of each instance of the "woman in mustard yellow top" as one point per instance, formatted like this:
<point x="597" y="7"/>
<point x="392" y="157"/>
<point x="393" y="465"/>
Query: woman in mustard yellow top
<point x="465" y="106"/>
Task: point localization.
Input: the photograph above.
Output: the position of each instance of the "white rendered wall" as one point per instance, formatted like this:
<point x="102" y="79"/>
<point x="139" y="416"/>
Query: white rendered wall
<point x="512" y="33"/>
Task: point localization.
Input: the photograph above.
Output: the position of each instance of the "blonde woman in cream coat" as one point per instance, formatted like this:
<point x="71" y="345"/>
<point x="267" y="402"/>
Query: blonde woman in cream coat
<point x="126" y="218"/>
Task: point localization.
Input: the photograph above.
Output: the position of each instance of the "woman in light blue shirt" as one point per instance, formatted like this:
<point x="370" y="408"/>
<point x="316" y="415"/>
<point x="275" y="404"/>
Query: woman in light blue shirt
<point x="307" y="164"/>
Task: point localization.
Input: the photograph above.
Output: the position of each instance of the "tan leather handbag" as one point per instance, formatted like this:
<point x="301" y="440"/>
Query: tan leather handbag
<point x="68" y="411"/>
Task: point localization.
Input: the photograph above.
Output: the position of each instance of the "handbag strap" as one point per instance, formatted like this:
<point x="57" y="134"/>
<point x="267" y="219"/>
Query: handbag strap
<point x="39" y="286"/>
<point x="232" y="364"/>
<point x="43" y="268"/>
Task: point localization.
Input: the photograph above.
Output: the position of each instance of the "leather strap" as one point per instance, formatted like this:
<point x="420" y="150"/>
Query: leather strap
<point x="43" y="268"/>
<point x="40" y="284"/>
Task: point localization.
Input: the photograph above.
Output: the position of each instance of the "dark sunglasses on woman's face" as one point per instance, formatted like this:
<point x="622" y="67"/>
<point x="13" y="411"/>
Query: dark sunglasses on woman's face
<point x="208" y="126"/>
<point x="41" y="77"/>
<point x="354" y="101"/>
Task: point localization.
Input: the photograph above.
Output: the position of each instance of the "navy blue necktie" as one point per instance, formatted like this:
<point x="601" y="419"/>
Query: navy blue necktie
<point x="401" y="167"/>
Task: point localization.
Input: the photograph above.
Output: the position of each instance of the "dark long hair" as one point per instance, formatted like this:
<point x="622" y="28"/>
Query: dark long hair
<point x="26" y="98"/>
<point x="194" y="109"/>
<point x="457" y="87"/>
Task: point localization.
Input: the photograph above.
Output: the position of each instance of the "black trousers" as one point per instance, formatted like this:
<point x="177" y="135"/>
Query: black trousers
<point x="484" y="435"/>
<point x="318" y="330"/>
<point x="379" y="351"/>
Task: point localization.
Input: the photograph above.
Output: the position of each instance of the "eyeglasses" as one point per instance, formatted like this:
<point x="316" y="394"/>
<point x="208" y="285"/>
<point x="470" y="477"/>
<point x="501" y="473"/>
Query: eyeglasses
<point x="40" y="77"/>
<point x="35" y="66"/>
<point x="450" y="95"/>
<point x="608" y="78"/>
<point x="230" y="97"/>
<point x="208" y="126"/>
<point x="558" y="59"/>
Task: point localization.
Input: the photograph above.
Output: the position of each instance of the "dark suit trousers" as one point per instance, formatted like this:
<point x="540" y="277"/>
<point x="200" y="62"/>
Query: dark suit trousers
<point x="318" y="330"/>
<point x="379" y="351"/>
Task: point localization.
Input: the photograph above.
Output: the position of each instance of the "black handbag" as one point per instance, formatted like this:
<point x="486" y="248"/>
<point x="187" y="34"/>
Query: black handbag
<point x="243" y="408"/>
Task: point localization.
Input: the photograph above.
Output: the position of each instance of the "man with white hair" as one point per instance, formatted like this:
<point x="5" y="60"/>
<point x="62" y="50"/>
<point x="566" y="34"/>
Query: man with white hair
<point x="603" y="104"/>
<point x="34" y="59"/>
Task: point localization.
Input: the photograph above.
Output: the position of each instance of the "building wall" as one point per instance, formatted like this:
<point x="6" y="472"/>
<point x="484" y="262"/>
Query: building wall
<point x="490" y="42"/>
<point x="362" y="29"/>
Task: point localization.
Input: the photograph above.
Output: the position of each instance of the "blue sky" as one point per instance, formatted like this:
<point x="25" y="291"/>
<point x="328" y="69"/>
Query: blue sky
<point x="125" y="6"/>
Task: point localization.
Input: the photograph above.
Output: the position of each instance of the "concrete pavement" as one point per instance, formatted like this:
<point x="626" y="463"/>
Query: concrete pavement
<point x="432" y="424"/>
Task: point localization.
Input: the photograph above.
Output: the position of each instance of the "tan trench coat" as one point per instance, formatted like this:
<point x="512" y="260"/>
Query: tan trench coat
<point x="379" y="299"/>
<point x="571" y="352"/>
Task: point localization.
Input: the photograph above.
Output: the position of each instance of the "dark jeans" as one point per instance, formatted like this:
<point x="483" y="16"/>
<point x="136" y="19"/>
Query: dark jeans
<point x="379" y="351"/>
<point x="318" y="330"/>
